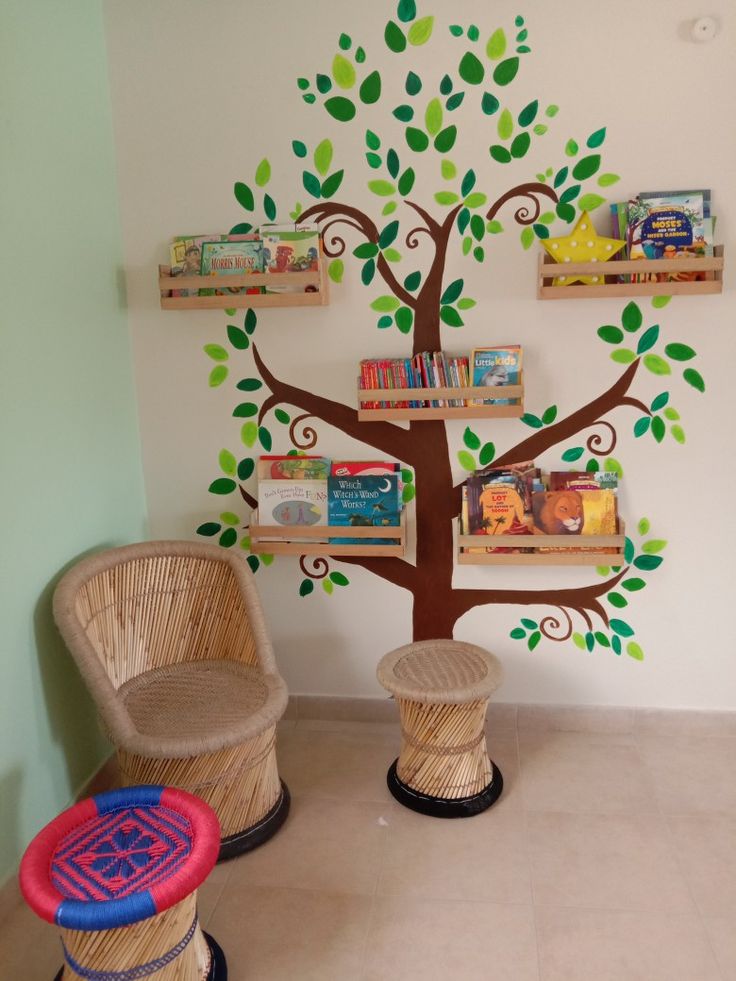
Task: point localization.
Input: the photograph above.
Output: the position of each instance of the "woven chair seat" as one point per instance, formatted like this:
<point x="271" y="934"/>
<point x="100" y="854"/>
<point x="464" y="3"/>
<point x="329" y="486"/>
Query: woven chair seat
<point x="440" y="671"/>
<point x="201" y="699"/>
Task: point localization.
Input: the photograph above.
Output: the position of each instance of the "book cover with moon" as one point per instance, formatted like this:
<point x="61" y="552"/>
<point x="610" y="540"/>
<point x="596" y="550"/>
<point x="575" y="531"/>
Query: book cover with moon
<point x="360" y="501"/>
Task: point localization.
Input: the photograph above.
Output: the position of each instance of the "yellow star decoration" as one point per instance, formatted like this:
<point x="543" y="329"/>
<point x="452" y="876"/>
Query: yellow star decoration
<point x="583" y="244"/>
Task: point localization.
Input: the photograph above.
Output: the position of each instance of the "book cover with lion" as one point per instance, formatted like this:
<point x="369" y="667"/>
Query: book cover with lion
<point x="575" y="513"/>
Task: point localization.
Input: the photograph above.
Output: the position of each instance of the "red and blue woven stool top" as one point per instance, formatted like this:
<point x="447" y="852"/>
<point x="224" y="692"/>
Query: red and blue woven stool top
<point x="120" y="857"/>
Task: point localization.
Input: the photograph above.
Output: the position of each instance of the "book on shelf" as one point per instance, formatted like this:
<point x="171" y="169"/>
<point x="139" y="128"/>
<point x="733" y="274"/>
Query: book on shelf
<point x="426" y="370"/>
<point x="577" y="513"/>
<point x="290" y="249"/>
<point x="238" y="255"/>
<point x="361" y="501"/>
<point x="363" y="468"/>
<point x="497" y="501"/>
<point x="185" y="256"/>
<point x="293" y="467"/>
<point x="496" y="367"/>
<point x="292" y="490"/>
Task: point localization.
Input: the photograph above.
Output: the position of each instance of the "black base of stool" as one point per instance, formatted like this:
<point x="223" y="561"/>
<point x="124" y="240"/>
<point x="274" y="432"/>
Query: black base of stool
<point x="218" y="965"/>
<point x="250" y="838"/>
<point x="445" y="807"/>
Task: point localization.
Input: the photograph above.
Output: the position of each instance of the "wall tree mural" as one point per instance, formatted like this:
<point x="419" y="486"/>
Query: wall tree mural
<point x="424" y="121"/>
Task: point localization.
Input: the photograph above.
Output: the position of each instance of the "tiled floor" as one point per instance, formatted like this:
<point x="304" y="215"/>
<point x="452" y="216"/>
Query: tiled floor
<point x="611" y="856"/>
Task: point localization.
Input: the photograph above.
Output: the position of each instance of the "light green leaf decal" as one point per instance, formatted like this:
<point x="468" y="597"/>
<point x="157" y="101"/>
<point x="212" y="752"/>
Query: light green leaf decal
<point x="448" y="169"/>
<point x="589" y="202"/>
<point x="527" y="237"/>
<point x="505" y="125"/>
<point x="623" y="356"/>
<point x="606" y="180"/>
<point x="249" y="433"/>
<point x="433" y="117"/>
<point x="496" y="47"/>
<point x="323" y="157"/>
<point x="385" y="304"/>
<point x="228" y="463"/>
<point x="494" y="227"/>
<point x="216" y="352"/>
<point x="579" y="641"/>
<point x="420" y="31"/>
<point x="446" y="197"/>
<point x="612" y="465"/>
<point x="678" y="433"/>
<point x="654" y="545"/>
<point x="382" y="188"/>
<point x="218" y="375"/>
<point x="656" y="364"/>
<point x="335" y="270"/>
<point x="263" y="173"/>
<point x="571" y="148"/>
<point x="466" y="460"/>
<point x="343" y="72"/>
<point x="643" y="526"/>
<point x="475" y="200"/>
<point x="551" y="111"/>
<point x="229" y="518"/>
<point x="466" y="303"/>
<point x="633" y="650"/>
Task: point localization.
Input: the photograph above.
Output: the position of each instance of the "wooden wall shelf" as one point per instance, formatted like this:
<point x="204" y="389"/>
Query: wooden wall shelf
<point x="261" y="535"/>
<point x="567" y="542"/>
<point x="514" y="410"/>
<point x="319" y="280"/>
<point x="549" y="269"/>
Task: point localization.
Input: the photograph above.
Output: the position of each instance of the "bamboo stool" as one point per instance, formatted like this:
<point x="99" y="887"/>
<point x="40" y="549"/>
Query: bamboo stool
<point x="442" y="687"/>
<point x="118" y="874"/>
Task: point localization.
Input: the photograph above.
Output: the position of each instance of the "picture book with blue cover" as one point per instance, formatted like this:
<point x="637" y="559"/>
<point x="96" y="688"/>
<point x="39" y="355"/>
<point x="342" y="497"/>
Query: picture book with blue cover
<point x="364" y="501"/>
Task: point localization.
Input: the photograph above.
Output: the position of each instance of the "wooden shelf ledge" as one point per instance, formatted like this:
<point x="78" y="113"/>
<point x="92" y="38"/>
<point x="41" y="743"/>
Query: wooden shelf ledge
<point x="319" y="280"/>
<point x="515" y="410"/>
<point x="278" y="540"/>
<point x="592" y="543"/>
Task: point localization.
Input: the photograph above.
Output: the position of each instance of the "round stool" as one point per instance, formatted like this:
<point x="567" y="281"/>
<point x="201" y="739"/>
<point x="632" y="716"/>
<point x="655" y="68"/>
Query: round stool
<point x="118" y="874"/>
<point x="442" y="687"/>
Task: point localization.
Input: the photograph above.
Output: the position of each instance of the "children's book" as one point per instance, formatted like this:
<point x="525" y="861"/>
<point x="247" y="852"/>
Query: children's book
<point x="362" y="500"/>
<point x="582" y="480"/>
<point x="293" y="467"/>
<point x="292" y="502"/>
<point x="367" y="468"/>
<point x="496" y="367"/>
<point x="290" y="250"/>
<point x="496" y="504"/>
<point x="237" y="256"/>
<point x="575" y="513"/>
<point x="670" y="225"/>
<point x="185" y="253"/>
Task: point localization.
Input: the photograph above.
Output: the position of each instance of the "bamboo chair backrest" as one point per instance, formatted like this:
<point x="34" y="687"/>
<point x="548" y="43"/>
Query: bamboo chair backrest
<point x="160" y="603"/>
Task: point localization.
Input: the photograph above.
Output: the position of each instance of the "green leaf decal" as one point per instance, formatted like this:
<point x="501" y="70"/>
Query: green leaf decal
<point x="549" y="415"/>
<point x="407" y="10"/>
<point x="299" y="148"/>
<point x="265" y="438"/>
<point x="283" y="417"/>
<point x="631" y="318"/>
<point x="487" y="453"/>
<point x="529" y="624"/>
<point x="394" y="37"/>
<point x="385" y="304"/>
<point x="633" y="585"/>
<point x="617" y="600"/>
<point x="216" y="352"/>
<point x="404" y="319"/>
<point x="656" y="364"/>
<point x="228" y="463"/>
<point x="678" y="433"/>
<point x="228" y="538"/>
<point x="528" y="113"/>
<point x="246" y="468"/>
<point x="371" y="140"/>
<point x="579" y="641"/>
<point x="307" y="586"/>
<point x="408" y="493"/>
<point x="654" y="545"/>
<point x="610" y="334"/>
<point x="336" y="270"/>
<point x="339" y="579"/>
<point x="571" y="148"/>
<point x="452" y="292"/>
<point x="420" y="31"/>
<point x="323" y="157"/>
<point x="505" y="71"/>
<point x="531" y="420"/>
<point x="433" y="117"/>
<point x="660" y="301"/>
<point x="244" y="196"/>
<point x="466" y="460"/>
<point x="502" y="155"/>
<point x="595" y="139"/>
<point x="412" y="281"/>
<point x="370" y="90"/>
<point x="505" y="125"/>
<point x="679" y="352"/>
<point x="641" y="426"/>
<point x="471" y="70"/>
<point x="648" y="562"/>
<point x="454" y="101"/>
<point x="589" y="202"/>
<point x="249" y="433"/>
<point x="692" y="377"/>
<point x="623" y="356"/>
<point x="343" y="72"/>
<point x="269" y="206"/>
<point x="477" y="227"/>
<point x="366" y="250"/>
<point x="311" y="184"/>
<point x="566" y="212"/>
<point x="417" y="139"/>
<point x="534" y="640"/>
<point x="245" y="410"/>
<point x="518" y="633"/>
<point x="489" y="104"/>
<point x="382" y="188"/>
<point x="451" y="317"/>
<point x="518" y="149"/>
<point x="208" y="529"/>
<point x="586" y="167"/>
<point x="374" y="160"/>
<point x="218" y="375"/>
<point x="648" y="339"/>
<point x="496" y="47"/>
<point x="602" y="639"/>
<point x="471" y="440"/>
<point x="237" y="337"/>
<point x="445" y="139"/>
<point x="658" y="428"/>
<point x="573" y="454"/>
<point x="340" y="108"/>
<point x="223" y="485"/>
<point x="621" y="628"/>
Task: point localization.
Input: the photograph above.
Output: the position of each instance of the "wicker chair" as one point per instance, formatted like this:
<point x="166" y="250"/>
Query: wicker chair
<point x="171" y="641"/>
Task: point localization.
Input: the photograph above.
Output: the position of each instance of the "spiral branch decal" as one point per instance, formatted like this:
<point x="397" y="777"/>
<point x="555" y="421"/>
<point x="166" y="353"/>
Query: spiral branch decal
<point x="552" y="627"/>
<point x="334" y="246"/>
<point x="523" y="215"/>
<point x="320" y="566"/>
<point x="595" y="441"/>
<point x="412" y="242"/>
<point x="308" y="436"/>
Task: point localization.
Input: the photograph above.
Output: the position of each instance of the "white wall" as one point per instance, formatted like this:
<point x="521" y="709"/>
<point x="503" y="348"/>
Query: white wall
<point x="201" y="92"/>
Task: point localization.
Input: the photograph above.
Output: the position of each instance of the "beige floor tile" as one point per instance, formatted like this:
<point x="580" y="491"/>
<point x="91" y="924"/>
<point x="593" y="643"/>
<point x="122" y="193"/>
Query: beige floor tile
<point x="348" y="764"/>
<point x="691" y="774"/>
<point x="411" y="940"/>
<point x="605" y="861"/>
<point x="584" y="772"/>
<point x="335" y="846"/>
<point x="606" y="945"/>
<point x="483" y="858"/>
<point x="576" y="718"/>
<point x="706" y="850"/>
<point x="722" y="933"/>
<point x="208" y="895"/>
<point x="273" y="934"/>
<point x="30" y="949"/>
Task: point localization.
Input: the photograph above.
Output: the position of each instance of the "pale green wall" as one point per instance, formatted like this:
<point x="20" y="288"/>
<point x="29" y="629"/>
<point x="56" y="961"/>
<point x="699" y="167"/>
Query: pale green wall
<point x="70" y="465"/>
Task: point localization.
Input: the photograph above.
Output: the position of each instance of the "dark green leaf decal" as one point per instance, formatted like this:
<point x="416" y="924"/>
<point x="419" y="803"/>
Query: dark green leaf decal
<point x="590" y="640"/>
<point x="394" y="37"/>
<point x="468" y="183"/>
<point x="631" y="317"/>
<point x="505" y="71"/>
<point x="560" y="177"/>
<point x="345" y="42"/>
<point x="250" y="321"/>
<point x="633" y="585"/>
<point x="602" y="639"/>
<point x="392" y="163"/>
<point x="452" y="292"/>
<point x="622" y="628"/>
<point x="283" y="417"/>
<point x="454" y="101"/>
<point x="471" y="69"/>
<point x="265" y="437"/>
<point x="299" y="148"/>
<point x="208" y="529"/>
<point x="413" y="84"/>
<point x="406" y="182"/>
<point x="249" y="384"/>
<point x="530" y="420"/>
<point x="407" y="10"/>
<point x="445" y="139"/>
<point x="502" y="155"/>
<point x="340" y="108"/>
<point x="628" y="550"/>
<point x="370" y="90"/>
<point x="520" y="145"/>
<point x="417" y="139"/>
<point x="595" y="139"/>
<point x="450" y="316"/>
<point x="611" y="334"/>
<point x="489" y="103"/>
<point x="242" y="228"/>
<point x="244" y="196"/>
<point x="616" y="644"/>
<point x="312" y="184"/>
<point x="573" y="454"/>
<point x="518" y="633"/>
<point x="228" y="538"/>
<point x="246" y="468"/>
<point x="404" y="113"/>
<point x="692" y="377"/>
<point x="307" y="586"/>
<point x="223" y="485"/>
<point x="471" y="440"/>
<point x="679" y="352"/>
<point x="269" y="206"/>
<point x="487" y="453"/>
<point x="648" y="339"/>
<point x="330" y="186"/>
<point x="648" y="562"/>
<point x="586" y="167"/>
<point x="446" y="85"/>
<point x="658" y="429"/>
<point x="566" y="212"/>
<point x="529" y="624"/>
<point x="237" y="337"/>
<point x="616" y="599"/>
<point x="245" y="410"/>
<point x="404" y="318"/>
<point x="412" y="281"/>
<point x="324" y="84"/>
<point x="660" y="401"/>
<point x="534" y="640"/>
<point x="549" y="415"/>
<point x="367" y="273"/>
<point x="528" y="113"/>
<point x="570" y="194"/>
<point x="641" y="426"/>
<point x="388" y="235"/>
